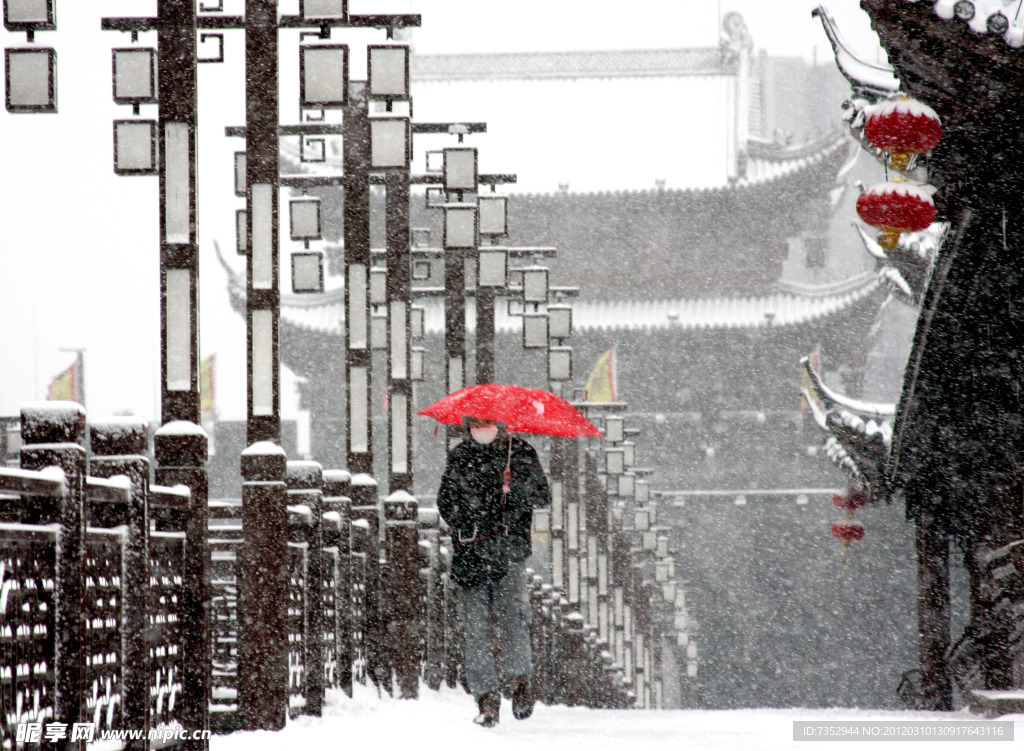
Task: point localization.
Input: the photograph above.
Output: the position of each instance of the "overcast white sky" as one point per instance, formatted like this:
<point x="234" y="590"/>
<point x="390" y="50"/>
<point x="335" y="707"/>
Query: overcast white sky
<point x="78" y="245"/>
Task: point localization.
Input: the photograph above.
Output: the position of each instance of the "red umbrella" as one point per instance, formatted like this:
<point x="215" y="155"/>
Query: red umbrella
<point x="523" y="410"/>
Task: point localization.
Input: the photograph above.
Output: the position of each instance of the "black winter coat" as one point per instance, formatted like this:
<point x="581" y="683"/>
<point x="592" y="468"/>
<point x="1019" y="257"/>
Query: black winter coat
<point x="470" y="501"/>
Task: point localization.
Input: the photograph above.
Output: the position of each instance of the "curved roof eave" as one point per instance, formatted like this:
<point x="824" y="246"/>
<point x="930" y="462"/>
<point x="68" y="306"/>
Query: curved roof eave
<point x="781" y="309"/>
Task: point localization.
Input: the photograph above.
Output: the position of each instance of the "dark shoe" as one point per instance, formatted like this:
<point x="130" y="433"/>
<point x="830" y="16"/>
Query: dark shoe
<point x="489" y="705"/>
<point x="522" y="699"/>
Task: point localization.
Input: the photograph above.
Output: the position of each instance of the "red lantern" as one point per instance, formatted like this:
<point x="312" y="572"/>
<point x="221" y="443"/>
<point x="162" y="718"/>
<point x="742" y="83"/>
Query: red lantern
<point x="853" y="500"/>
<point x="848" y="530"/>
<point x="895" y="207"/>
<point x="902" y="127"/>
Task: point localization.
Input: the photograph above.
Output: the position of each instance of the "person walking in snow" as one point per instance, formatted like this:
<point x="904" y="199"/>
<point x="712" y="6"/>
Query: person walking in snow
<point x="491" y="485"/>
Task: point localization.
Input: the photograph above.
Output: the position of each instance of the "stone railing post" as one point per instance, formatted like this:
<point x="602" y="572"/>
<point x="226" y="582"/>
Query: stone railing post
<point x="366" y="509"/>
<point x="181" y="448"/>
<point x="305" y="483"/>
<point x="53" y="434"/>
<point x="119" y="447"/>
<point x="263" y="590"/>
<point x="401" y="601"/>
<point x="337" y="503"/>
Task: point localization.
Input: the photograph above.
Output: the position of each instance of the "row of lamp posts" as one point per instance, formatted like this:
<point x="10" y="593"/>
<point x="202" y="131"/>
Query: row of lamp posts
<point x="587" y="562"/>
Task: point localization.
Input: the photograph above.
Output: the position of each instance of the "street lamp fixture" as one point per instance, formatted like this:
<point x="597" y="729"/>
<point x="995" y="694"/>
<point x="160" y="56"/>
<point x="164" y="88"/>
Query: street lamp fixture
<point x="492" y="268"/>
<point x="178" y="369"/>
<point x="305" y="218"/>
<point x="323" y="76"/>
<point x="31" y="79"/>
<point x="560" y="321"/>
<point x="378" y="286"/>
<point x="643" y="491"/>
<point x="388" y="66"/>
<point x="307" y="272"/>
<point x="240" y="174"/>
<point x="613" y="428"/>
<point x="460" y="169"/>
<point x="389" y="142"/>
<point x="134" y="76"/>
<point x="560" y="364"/>
<point x="613" y="461"/>
<point x="135" y="147"/>
<point x="493" y="215"/>
<point x="241" y="220"/>
<point x="316" y="10"/>
<point x="29" y="16"/>
<point x="460" y="226"/>
<point x="416" y="321"/>
<point x="416" y="363"/>
<point x="535" y="330"/>
<point x="535" y="284"/>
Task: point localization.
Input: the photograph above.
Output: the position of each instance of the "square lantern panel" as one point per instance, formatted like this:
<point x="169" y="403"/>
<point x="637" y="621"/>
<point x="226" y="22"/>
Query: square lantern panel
<point x="378" y="286"/>
<point x="135" y="147"/>
<point x="627" y="486"/>
<point x="313" y="149"/>
<point x="460" y="226"/>
<point x="560" y="364"/>
<point x="613" y="429"/>
<point x="134" y="75"/>
<point x="323" y="9"/>
<point x="535" y="330"/>
<point x="31" y="79"/>
<point x="307" y="272"/>
<point x="29" y="15"/>
<point x="560" y="321"/>
<point x="493" y="215"/>
<point x="416" y="363"/>
<point x="493" y="268"/>
<point x="641" y="520"/>
<point x="421" y="271"/>
<point x="613" y="461"/>
<point x="388" y="66"/>
<point x="323" y="75"/>
<point x="241" y="219"/>
<point x="460" y="169"/>
<point x="416" y="313"/>
<point x="379" y="332"/>
<point x="389" y="142"/>
<point x="240" y="174"/>
<point x="304" y="214"/>
<point x="535" y="284"/>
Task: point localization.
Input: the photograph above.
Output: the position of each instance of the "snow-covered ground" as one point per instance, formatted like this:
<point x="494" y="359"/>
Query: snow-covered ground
<point x="443" y="720"/>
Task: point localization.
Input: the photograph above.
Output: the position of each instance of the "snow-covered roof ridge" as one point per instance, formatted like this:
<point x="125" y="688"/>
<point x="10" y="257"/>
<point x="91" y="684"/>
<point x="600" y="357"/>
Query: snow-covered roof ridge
<point x="562" y="65"/>
<point x="761" y="171"/>
<point x="714" y="313"/>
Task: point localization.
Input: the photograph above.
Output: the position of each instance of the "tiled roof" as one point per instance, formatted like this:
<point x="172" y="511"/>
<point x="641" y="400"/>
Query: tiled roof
<point x="600" y="64"/>
<point x="325" y="313"/>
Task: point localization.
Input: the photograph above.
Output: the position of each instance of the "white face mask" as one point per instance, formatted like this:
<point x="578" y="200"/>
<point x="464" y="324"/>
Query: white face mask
<point x="485" y="434"/>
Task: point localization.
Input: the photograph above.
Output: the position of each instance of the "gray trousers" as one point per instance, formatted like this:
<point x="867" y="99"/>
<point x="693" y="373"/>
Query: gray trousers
<point x="509" y="601"/>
